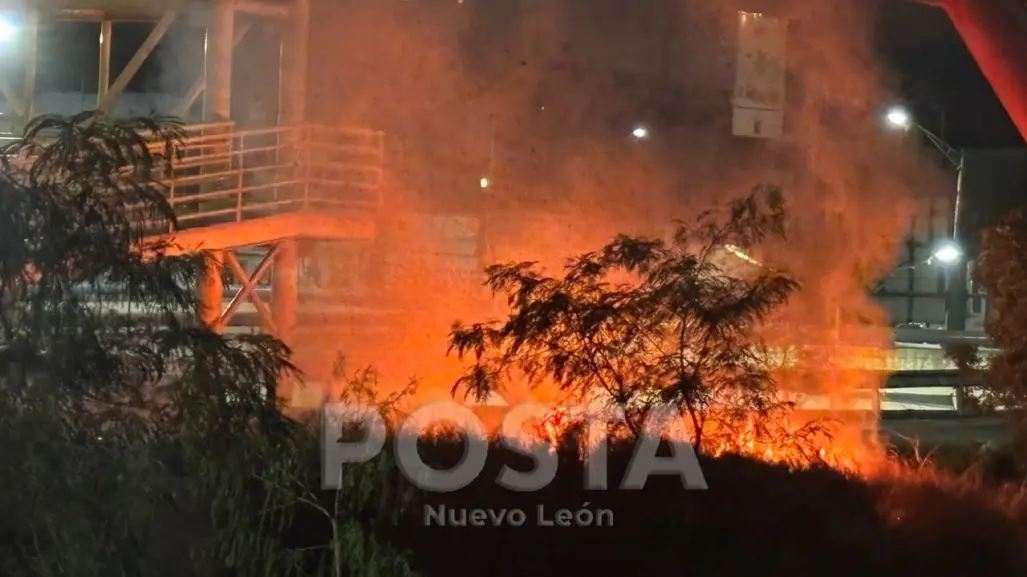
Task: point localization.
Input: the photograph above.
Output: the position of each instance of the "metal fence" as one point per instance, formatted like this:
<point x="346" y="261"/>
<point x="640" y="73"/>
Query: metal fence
<point x="228" y="175"/>
<point x="225" y="175"/>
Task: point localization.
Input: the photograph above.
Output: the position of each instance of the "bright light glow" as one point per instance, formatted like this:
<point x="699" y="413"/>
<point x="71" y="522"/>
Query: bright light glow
<point x="948" y="253"/>
<point x="741" y="254"/>
<point x="484" y="182"/>
<point x="899" y="117"/>
<point x="7" y="29"/>
<point x="640" y="132"/>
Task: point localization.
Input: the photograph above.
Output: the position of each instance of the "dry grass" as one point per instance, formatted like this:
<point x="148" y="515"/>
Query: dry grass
<point x="757" y="518"/>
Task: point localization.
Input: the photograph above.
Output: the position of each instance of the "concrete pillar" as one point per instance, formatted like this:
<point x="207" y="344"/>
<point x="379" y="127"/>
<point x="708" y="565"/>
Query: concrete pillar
<point x="217" y="96"/>
<point x="956" y="297"/>
<point x="31" y="56"/>
<point x="295" y="65"/>
<point x="104" y="81"/>
<point x="285" y="301"/>
<point x="285" y="289"/>
<point x="959" y="400"/>
<point x="210" y="289"/>
<point x="293" y="97"/>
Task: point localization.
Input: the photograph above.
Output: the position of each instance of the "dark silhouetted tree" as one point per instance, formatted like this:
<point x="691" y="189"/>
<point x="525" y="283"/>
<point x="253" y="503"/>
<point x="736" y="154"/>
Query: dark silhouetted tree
<point x="645" y="321"/>
<point x="137" y="441"/>
<point x="1002" y="271"/>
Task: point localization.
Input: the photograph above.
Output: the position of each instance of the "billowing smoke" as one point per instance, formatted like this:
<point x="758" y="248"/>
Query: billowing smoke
<point x="541" y="97"/>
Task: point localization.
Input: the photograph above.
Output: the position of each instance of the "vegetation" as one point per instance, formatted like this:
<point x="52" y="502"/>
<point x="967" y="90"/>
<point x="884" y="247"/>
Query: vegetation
<point x="643" y="322"/>
<point x="136" y="440"/>
<point x="144" y="445"/>
<point x="1002" y="271"/>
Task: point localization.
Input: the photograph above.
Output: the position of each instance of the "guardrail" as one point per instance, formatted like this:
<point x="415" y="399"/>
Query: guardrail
<point x="225" y="175"/>
<point x="228" y="175"/>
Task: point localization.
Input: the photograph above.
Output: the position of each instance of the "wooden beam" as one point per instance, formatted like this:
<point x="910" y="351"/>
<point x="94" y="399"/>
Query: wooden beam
<point x="137" y="60"/>
<point x="201" y="81"/>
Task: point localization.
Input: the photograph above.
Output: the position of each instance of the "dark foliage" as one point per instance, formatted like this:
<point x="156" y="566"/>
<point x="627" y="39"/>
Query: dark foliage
<point x="1002" y="271"/>
<point x="642" y="323"/>
<point x="136" y="441"/>
<point x="755" y="519"/>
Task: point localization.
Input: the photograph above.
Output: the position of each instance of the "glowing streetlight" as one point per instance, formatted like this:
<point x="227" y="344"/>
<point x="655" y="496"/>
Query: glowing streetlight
<point x="484" y="182"/>
<point x="7" y="29"/>
<point x="899" y="117"/>
<point x="948" y="253"/>
<point x="640" y="132"/>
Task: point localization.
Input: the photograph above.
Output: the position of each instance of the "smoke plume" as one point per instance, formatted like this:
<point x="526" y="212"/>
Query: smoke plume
<point x="541" y="98"/>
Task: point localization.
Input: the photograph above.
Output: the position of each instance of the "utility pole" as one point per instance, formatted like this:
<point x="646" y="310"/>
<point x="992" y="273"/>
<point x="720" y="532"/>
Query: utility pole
<point x="955" y="292"/>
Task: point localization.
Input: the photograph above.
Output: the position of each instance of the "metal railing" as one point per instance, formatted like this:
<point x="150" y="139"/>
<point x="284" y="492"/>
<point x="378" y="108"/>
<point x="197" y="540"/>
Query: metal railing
<point x="225" y="175"/>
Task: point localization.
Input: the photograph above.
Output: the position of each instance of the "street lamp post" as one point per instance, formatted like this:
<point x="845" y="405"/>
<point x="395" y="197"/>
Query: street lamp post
<point x="952" y="253"/>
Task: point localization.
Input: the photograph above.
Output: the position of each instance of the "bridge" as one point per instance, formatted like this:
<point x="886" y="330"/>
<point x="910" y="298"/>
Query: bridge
<point x="239" y="194"/>
<point x="259" y="192"/>
<point x="237" y="189"/>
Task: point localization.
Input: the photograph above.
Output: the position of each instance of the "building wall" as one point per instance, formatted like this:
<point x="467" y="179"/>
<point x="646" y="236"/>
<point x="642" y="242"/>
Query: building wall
<point x="914" y="292"/>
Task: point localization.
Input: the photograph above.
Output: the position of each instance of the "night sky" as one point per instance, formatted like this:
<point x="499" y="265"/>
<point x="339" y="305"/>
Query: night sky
<point x="925" y="55"/>
<point x="939" y="77"/>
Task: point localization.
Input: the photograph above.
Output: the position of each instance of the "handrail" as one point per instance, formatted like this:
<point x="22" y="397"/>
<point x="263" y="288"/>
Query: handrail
<point x="224" y="175"/>
<point x="227" y="175"/>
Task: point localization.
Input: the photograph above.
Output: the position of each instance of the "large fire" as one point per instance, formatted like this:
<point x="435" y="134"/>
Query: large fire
<point x="833" y="445"/>
<point x="413" y="75"/>
<point x="430" y="295"/>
